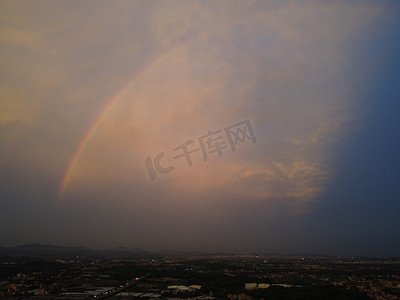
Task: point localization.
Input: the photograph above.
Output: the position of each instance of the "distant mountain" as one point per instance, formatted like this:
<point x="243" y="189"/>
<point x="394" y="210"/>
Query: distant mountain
<point x="176" y="253"/>
<point x="121" y="248"/>
<point x="51" y="251"/>
<point x="126" y="249"/>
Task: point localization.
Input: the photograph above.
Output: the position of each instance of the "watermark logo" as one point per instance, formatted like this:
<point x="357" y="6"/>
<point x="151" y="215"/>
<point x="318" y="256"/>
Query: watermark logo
<point x="209" y="144"/>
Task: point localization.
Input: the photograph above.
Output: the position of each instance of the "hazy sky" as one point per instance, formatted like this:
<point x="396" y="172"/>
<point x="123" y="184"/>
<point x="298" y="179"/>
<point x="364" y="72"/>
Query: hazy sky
<point x="91" y="90"/>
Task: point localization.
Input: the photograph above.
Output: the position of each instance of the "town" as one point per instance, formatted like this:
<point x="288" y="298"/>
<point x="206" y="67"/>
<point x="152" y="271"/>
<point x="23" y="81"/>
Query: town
<point x="200" y="276"/>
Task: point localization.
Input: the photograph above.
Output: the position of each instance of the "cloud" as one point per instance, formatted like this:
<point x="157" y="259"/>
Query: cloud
<point x="192" y="67"/>
<point x="278" y="69"/>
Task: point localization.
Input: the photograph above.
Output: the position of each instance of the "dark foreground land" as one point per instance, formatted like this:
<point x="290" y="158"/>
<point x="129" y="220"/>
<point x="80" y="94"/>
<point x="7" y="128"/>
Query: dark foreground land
<point x="199" y="277"/>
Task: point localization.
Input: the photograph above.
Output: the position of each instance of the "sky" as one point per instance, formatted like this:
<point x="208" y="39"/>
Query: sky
<point x="233" y="126"/>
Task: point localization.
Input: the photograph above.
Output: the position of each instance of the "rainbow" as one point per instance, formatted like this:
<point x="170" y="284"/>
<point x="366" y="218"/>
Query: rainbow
<point x="113" y="102"/>
<point x="104" y="113"/>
